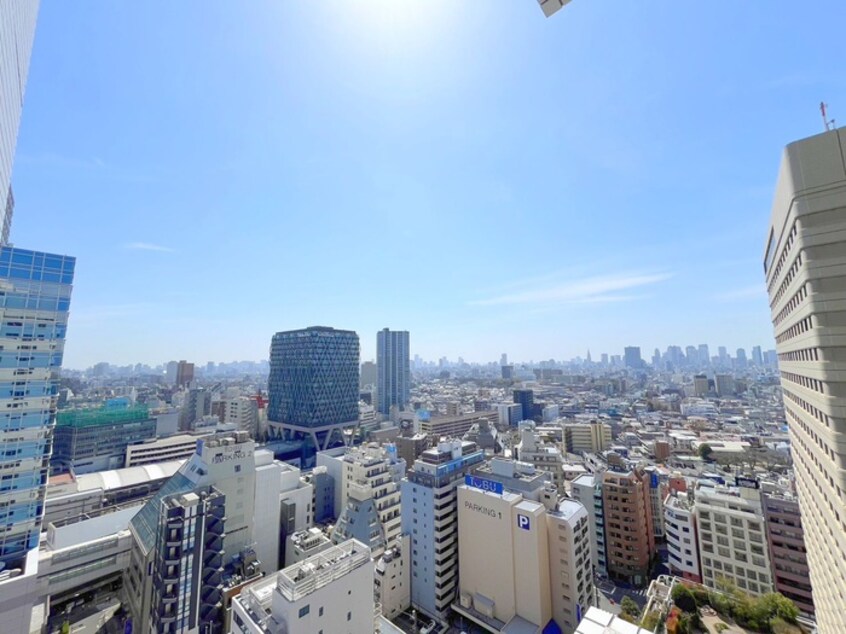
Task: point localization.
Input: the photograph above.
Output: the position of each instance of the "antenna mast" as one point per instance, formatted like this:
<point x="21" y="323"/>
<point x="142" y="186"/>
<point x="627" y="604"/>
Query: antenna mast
<point x="827" y="123"/>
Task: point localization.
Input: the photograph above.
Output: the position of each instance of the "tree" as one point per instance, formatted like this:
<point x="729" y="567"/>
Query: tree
<point x="705" y="451"/>
<point x="630" y="608"/>
<point x="684" y="598"/>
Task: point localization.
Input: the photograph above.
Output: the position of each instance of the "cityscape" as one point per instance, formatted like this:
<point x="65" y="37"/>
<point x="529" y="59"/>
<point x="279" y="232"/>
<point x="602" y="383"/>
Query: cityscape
<point x="351" y="481"/>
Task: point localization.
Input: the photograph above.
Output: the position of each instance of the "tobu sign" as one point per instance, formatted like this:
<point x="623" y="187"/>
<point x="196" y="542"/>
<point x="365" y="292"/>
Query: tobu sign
<point x="484" y="485"/>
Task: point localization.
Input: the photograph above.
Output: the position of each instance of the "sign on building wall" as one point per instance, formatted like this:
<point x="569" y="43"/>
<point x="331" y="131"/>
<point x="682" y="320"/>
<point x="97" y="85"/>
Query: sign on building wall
<point x="483" y="484"/>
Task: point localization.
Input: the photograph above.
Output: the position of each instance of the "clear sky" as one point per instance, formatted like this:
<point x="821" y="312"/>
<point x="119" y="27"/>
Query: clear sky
<point x="486" y="178"/>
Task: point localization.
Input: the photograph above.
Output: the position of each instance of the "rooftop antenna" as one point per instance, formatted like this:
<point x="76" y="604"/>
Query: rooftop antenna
<point x="828" y="123"/>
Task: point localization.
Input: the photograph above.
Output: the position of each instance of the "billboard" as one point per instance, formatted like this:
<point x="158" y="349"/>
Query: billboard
<point x="483" y="484"/>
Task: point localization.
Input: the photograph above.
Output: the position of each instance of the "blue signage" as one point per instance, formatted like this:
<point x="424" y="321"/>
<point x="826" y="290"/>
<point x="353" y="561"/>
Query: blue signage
<point x="523" y="521"/>
<point x="484" y="485"/>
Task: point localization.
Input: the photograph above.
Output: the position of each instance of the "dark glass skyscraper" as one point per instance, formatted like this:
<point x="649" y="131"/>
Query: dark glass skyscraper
<point x="313" y="385"/>
<point x="394" y="369"/>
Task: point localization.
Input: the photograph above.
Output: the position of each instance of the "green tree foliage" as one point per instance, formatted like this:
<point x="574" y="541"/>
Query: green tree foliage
<point x="630" y="608"/>
<point x="705" y="451"/>
<point x="683" y="598"/>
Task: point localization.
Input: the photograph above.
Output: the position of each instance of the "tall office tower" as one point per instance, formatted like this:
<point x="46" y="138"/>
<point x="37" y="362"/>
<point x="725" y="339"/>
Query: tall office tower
<point x="503" y="360"/>
<point x="526" y="399"/>
<point x="17" y="31"/>
<point x="430" y="517"/>
<point x="724" y="384"/>
<point x="170" y="372"/>
<point x="394" y="369"/>
<point x="656" y="359"/>
<point x="184" y="373"/>
<point x="741" y="359"/>
<point x="632" y="357"/>
<point x="33" y="320"/>
<point x="704" y="355"/>
<point x="723" y="354"/>
<point x="804" y="269"/>
<point x="313" y="384"/>
<point x="603" y="359"/>
<point x="369" y="375"/>
<point x="691" y="354"/>
<point x="757" y="356"/>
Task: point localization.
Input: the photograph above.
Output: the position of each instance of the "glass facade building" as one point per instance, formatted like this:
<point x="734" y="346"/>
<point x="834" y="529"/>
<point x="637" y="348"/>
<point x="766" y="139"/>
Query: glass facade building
<point x="394" y="370"/>
<point x="313" y="377"/>
<point x="17" y="31"/>
<point x="35" y="290"/>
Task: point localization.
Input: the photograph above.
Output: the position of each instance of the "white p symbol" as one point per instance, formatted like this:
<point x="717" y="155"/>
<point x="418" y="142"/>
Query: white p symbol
<point x="523" y="522"/>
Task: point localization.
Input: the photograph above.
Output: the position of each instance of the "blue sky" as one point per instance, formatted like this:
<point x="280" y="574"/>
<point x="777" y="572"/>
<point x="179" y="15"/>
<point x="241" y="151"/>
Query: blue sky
<point x="491" y="180"/>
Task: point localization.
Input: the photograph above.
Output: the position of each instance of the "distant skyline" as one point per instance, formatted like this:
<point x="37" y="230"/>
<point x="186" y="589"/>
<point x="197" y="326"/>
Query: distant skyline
<point x="483" y="177"/>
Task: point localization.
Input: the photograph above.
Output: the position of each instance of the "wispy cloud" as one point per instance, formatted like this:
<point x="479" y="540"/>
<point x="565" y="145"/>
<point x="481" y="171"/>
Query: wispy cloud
<point x="148" y="246"/>
<point x="757" y="291"/>
<point x="596" y="289"/>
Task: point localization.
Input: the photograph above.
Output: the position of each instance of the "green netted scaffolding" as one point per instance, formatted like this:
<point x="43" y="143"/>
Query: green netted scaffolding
<point x="101" y="416"/>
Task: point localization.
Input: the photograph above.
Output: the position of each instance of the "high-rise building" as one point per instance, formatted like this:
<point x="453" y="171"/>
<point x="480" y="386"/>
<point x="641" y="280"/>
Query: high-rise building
<point x="313" y="384"/>
<point x="704" y="354"/>
<point x="757" y="356"/>
<point x="17" y="31"/>
<point x="369" y="375"/>
<point x="741" y="359"/>
<point x="680" y="526"/>
<point x="589" y="437"/>
<point x="724" y="384"/>
<point x="526" y="399"/>
<point x="629" y="528"/>
<point x="184" y="373"/>
<point x="587" y="489"/>
<point x="804" y="270"/>
<point x="632" y="357"/>
<point x="394" y="369"/>
<point x="701" y="386"/>
<point x="430" y="516"/>
<point x="33" y="320"/>
<point x="241" y="413"/>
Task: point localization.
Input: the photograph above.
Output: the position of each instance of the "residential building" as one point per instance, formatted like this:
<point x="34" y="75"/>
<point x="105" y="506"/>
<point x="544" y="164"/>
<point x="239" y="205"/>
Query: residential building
<point x="393" y="578"/>
<point x="394" y="370"/>
<point x="184" y="374"/>
<point x="587" y="437"/>
<point x="313" y="385"/>
<point x="544" y="456"/>
<point x="375" y="472"/>
<point x="804" y="274"/>
<point x="241" y="413"/>
<point x="701" y="386"/>
<point x="17" y="31"/>
<point x="430" y="516"/>
<point x="587" y="489"/>
<point x="724" y="384"/>
<point x="197" y="405"/>
<point x="329" y="592"/>
<point x="682" y="546"/>
<point x="732" y="539"/>
<point x="89" y="440"/>
<point x="629" y="536"/>
<point x="304" y="544"/>
<point x="409" y="448"/>
<point x="788" y="553"/>
<point x="451" y="426"/>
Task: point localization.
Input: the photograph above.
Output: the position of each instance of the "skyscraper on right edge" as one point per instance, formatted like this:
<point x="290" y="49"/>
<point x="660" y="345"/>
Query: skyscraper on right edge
<point x="394" y="370"/>
<point x="805" y="269"/>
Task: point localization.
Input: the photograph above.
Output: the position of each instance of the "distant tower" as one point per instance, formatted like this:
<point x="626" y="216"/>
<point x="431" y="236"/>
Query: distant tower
<point x="588" y="356"/>
<point x="394" y="370"/>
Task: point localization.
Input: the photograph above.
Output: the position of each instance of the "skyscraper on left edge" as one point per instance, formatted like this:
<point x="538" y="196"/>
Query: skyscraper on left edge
<point x="17" y="31"/>
<point x="35" y="291"/>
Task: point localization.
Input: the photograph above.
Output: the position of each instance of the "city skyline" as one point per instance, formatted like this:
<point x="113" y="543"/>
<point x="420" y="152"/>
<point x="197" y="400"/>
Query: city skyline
<point x="514" y="229"/>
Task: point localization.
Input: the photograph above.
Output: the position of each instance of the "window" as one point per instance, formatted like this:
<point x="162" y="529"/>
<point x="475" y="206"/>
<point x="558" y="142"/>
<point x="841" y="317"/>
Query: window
<point x="349" y="616"/>
<point x="304" y="610"/>
<point x="320" y="612"/>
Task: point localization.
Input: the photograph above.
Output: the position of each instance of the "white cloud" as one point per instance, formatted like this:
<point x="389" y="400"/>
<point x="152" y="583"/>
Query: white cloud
<point x="148" y="246"/>
<point x="586" y="290"/>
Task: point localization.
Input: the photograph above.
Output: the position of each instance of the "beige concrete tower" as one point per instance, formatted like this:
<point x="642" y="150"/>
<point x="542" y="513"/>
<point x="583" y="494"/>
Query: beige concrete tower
<point x="805" y="268"/>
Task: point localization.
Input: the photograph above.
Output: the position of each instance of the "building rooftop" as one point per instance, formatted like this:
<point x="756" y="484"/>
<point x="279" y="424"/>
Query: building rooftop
<point x="598" y="621"/>
<point x="295" y="582"/>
